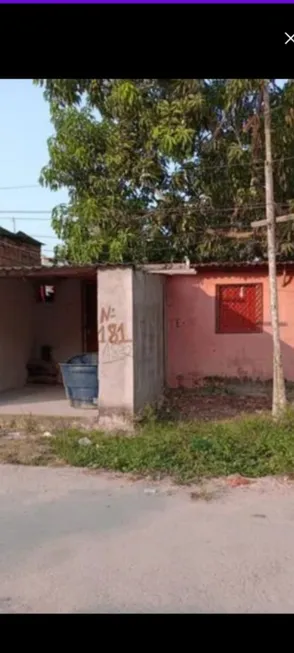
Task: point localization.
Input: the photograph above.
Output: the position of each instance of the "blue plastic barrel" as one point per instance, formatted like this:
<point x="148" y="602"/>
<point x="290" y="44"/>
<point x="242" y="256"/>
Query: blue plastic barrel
<point x="80" y="380"/>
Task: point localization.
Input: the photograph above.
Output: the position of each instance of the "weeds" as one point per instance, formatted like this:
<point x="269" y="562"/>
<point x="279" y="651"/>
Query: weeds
<point x="252" y="447"/>
<point x="185" y="451"/>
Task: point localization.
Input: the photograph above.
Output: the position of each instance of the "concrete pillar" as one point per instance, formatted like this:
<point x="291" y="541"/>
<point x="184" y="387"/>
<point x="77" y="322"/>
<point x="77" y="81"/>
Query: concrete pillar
<point x="115" y="336"/>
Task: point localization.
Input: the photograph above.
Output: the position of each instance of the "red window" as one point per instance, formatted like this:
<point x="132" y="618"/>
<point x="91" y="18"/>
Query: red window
<point x="239" y="308"/>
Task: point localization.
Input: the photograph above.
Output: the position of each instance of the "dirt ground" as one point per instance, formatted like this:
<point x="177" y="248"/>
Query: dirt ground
<point x="191" y="406"/>
<point x="213" y="399"/>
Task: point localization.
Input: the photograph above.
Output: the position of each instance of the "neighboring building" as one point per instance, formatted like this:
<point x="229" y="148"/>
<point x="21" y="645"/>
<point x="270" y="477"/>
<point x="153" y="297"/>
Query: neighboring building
<point x="219" y="322"/>
<point x="18" y="249"/>
<point x="45" y="260"/>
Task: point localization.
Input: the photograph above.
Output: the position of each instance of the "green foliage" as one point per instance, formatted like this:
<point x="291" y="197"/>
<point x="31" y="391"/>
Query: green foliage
<point x="253" y="447"/>
<point x="151" y="164"/>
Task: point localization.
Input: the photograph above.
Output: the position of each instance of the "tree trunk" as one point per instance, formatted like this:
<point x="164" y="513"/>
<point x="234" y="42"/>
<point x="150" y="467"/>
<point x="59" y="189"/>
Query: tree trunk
<point x="279" y="392"/>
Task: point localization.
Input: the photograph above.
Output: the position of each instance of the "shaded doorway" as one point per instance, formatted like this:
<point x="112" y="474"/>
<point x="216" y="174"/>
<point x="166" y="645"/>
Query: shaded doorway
<point x="90" y="316"/>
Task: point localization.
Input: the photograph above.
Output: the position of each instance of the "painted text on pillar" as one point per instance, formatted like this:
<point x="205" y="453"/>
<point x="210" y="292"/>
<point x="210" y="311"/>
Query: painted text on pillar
<point x="110" y="330"/>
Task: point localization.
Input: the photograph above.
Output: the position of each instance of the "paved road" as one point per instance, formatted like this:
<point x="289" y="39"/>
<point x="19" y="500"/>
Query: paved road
<point x="72" y="541"/>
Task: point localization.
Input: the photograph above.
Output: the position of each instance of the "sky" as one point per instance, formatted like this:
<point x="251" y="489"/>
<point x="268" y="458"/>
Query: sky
<point x="24" y="129"/>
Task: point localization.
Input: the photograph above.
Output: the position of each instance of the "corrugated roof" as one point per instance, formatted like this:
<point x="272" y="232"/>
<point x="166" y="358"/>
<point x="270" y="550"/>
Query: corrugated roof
<point x="238" y="264"/>
<point x="47" y="271"/>
<point x="182" y="268"/>
<point x="86" y="271"/>
<point x="50" y="271"/>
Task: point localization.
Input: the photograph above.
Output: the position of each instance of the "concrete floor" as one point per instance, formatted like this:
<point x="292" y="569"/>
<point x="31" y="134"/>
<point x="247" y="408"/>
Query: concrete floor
<point x="40" y="400"/>
<point x="72" y="541"/>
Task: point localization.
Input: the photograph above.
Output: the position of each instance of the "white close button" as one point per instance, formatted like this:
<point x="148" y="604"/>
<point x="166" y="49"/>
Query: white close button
<point x="289" y="38"/>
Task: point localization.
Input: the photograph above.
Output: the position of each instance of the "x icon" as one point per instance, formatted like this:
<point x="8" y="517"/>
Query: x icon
<point x="289" y="38"/>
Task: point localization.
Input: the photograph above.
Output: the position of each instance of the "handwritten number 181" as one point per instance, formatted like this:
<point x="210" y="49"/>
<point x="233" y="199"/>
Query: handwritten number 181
<point x="112" y="333"/>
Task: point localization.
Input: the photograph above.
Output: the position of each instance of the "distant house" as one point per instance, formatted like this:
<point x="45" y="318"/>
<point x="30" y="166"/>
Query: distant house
<point x="47" y="261"/>
<point x="18" y="249"/>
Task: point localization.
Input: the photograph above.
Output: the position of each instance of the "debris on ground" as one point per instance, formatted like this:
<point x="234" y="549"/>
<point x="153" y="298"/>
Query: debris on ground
<point x="237" y="480"/>
<point x="47" y="434"/>
<point x="13" y="435"/>
<point x="84" y="442"/>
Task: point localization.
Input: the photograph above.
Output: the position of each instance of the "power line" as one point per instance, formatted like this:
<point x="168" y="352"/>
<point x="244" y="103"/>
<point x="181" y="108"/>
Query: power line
<point x="197" y="164"/>
<point x="228" y="166"/>
<point x="24" y="211"/>
<point x="23" y="218"/>
<point x="203" y="212"/>
<point x="20" y="187"/>
<point x="151" y="211"/>
<point x="156" y="246"/>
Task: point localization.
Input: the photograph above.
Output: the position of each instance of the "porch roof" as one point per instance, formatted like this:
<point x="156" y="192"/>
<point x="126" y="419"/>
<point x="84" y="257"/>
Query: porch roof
<point x="49" y="272"/>
<point x="213" y="266"/>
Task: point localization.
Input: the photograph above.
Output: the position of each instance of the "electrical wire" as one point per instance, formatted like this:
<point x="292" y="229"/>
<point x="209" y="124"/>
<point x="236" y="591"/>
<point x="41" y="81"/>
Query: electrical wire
<point x="196" y="164"/>
<point x="25" y="211"/>
<point x="150" y="212"/>
<point x="20" y="187"/>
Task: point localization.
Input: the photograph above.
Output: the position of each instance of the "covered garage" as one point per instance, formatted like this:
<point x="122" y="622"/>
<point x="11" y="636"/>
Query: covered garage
<point x="48" y="314"/>
<point x="51" y="313"/>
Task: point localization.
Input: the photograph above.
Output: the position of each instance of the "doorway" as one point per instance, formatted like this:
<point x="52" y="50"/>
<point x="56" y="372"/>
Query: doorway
<point x="90" y="316"/>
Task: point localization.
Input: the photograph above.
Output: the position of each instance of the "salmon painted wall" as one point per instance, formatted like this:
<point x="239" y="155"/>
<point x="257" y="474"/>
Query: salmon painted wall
<point x="194" y="348"/>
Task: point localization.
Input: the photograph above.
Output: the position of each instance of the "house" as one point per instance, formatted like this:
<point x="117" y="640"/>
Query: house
<point x="219" y="322"/>
<point x="18" y="249"/>
<point x="45" y="260"/>
<point x="151" y="325"/>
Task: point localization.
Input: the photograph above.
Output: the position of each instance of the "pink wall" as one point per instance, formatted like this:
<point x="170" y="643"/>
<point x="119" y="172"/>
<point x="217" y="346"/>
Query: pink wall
<point x="194" y="348"/>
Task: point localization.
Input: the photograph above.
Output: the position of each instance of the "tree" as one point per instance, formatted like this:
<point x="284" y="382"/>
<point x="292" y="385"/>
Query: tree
<point x="159" y="169"/>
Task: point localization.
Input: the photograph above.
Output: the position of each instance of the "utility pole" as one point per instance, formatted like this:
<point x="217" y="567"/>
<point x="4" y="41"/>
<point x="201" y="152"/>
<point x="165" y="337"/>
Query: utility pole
<point x="279" y="392"/>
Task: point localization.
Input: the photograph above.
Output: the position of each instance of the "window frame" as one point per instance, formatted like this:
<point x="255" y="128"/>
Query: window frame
<point x="259" y="291"/>
<point x="39" y="299"/>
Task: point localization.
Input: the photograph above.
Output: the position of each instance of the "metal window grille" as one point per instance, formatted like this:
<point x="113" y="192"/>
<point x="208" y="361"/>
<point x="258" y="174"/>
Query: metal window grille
<point x="239" y="308"/>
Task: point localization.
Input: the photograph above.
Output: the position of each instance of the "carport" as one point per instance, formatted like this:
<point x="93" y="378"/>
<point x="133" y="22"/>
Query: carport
<point x="48" y="315"/>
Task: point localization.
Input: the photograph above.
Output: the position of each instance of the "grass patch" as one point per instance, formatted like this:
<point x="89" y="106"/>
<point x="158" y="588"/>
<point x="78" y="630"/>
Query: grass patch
<point x="252" y="446"/>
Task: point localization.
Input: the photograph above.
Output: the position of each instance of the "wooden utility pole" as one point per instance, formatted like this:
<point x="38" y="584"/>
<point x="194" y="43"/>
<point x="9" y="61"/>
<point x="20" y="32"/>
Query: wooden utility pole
<point x="263" y="223"/>
<point x="279" y="392"/>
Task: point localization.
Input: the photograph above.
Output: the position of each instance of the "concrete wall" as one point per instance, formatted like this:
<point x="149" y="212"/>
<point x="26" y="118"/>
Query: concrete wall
<point x="195" y="350"/>
<point x="59" y="324"/>
<point x="115" y="336"/>
<point x="16" y="331"/>
<point x="148" y="335"/>
<point x="131" y="353"/>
